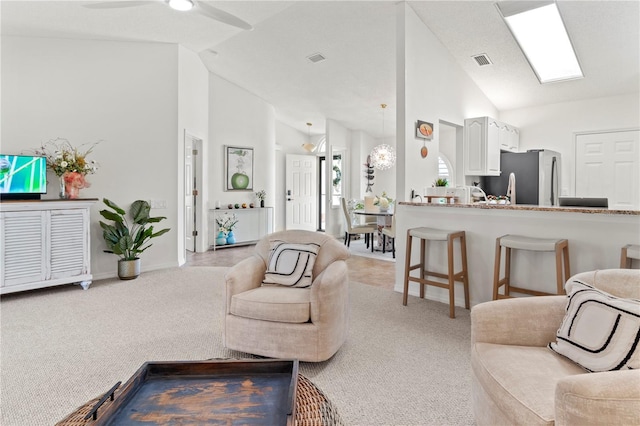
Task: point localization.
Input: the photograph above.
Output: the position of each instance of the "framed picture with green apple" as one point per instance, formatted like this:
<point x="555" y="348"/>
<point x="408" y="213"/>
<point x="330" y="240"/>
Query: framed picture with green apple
<point x="238" y="168"/>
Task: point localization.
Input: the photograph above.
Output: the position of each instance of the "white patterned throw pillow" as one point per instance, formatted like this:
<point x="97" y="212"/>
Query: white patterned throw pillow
<point x="600" y="332"/>
<point x="291" y="264"/>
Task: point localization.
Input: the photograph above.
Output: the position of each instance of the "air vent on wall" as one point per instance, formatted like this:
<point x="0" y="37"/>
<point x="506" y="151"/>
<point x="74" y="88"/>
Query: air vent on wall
<point x="482" y="59"/>
<point x="316" y="57"/>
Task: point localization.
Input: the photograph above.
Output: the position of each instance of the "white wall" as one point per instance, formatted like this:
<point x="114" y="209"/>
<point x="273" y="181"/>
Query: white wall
<point x="554" y="126"/>
<point x="360" y="143"/>
<point x="431" y="86"/>
<point x="338" y="141"/>
<point x="239" y="118"/>
<point x="193" y="115"/>
<point x="125" y="94"/>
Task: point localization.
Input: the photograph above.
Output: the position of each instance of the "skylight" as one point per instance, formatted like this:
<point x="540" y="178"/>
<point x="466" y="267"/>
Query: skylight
<point x="540" y="32"/>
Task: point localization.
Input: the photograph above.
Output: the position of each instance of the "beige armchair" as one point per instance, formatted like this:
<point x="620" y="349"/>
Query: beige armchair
<point x="516" y="379"/>
<point x="309" y="324"/>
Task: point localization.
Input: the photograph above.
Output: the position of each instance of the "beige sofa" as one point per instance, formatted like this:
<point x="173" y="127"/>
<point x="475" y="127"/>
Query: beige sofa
<point x="309" y="324"/>
<point x="516" y="379"/>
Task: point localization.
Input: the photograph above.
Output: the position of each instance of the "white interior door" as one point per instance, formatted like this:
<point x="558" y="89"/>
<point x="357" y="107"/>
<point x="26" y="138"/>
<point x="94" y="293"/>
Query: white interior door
<point x="301" y="194"/>
<point x="607" y="166"/>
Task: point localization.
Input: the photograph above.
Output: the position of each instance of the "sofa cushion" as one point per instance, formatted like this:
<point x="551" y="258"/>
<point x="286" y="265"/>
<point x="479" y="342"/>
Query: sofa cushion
<point x="521" y="379"/>
<point x="600" y="332"/>
<point x="291" y="264"/>
<point x="273" y="303"/>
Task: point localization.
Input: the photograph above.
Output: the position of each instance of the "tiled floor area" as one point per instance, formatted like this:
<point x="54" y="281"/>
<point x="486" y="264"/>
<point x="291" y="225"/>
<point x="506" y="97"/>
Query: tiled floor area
<point x="365" y="270"/>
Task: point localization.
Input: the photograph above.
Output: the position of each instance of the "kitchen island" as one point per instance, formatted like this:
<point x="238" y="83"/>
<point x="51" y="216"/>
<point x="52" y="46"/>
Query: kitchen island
<point x="595" y="239"/>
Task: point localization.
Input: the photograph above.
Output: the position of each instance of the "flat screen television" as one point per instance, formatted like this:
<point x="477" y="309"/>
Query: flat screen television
<point x="22" y="177"/>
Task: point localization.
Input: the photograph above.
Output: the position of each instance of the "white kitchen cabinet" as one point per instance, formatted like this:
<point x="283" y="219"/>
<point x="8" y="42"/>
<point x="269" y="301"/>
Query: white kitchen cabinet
<point x="484" y="138"/>
<point x="481" y="147"/>
<point x="509" y="138"/>
<point x="44" y="243"/>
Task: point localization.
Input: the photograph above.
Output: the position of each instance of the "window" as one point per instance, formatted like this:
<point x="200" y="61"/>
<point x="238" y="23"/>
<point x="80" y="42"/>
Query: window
<point x="336" y="187"/>
<point x="444" y="168"/>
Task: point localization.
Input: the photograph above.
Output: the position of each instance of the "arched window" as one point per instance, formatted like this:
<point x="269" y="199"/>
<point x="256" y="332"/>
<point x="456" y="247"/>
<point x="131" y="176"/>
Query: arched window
<point x="445" y="170"/>
<point x="322" y="144"/>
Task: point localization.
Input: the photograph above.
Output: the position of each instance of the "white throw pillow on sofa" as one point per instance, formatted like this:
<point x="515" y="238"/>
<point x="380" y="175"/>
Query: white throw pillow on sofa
<point x="291" y="264"/>
<point x="600" y="332"/>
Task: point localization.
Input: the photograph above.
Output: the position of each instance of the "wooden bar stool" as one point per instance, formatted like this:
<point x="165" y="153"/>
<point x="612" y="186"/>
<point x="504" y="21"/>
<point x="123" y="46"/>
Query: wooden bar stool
<point x="519" y="242"/>
<point x="437" y="235"/>
<point x="629" y="252"/>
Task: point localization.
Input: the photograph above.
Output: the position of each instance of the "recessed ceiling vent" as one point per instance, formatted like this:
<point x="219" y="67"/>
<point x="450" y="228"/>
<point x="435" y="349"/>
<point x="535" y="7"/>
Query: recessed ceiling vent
<point x="482" y="59"/>
<point x="316" y="57"/>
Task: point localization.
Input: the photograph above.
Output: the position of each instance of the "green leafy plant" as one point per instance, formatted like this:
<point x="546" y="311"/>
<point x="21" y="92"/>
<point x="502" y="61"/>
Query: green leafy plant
<point x="441" y="182"/>
<point x="127" y="240"/>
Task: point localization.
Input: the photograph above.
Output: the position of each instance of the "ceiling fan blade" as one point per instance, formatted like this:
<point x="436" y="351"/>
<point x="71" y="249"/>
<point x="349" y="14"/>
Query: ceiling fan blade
<point x="222" y="16"/>
<point x="116" y="4"/>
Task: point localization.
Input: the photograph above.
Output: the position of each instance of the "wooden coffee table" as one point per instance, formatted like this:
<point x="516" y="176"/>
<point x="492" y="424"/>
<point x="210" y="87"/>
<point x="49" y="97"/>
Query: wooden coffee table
<point x="312" y="407"/>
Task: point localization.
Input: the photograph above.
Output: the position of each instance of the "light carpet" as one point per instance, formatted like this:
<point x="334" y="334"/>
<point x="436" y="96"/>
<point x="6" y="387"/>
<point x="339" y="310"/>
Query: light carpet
<point x="62" y="346"/>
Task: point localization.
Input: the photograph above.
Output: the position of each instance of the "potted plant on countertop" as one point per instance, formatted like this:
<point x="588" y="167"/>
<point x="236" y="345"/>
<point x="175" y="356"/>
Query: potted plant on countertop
<point x="127" y="240"/>
<point x="441" y="184"/>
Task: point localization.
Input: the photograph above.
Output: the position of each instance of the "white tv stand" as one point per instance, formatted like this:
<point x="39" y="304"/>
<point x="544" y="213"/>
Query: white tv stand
<point x="44" y="243"/>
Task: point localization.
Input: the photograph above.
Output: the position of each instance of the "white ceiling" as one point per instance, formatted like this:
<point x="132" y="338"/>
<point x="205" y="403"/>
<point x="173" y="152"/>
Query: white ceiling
<point x="358" y="40"/>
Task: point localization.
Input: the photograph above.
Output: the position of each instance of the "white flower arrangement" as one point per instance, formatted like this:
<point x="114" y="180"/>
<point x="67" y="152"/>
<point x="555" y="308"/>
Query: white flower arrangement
<point x="227" y="221"/>
<point x="383" y="200"/>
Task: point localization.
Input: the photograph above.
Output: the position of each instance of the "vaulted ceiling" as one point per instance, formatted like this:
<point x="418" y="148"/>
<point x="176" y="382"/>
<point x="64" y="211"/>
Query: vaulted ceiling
<point x="357" y="38"/>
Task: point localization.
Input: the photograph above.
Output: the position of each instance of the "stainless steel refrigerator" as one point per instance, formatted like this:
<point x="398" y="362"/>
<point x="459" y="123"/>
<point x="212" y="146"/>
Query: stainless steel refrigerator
<point x="537" y="177"/>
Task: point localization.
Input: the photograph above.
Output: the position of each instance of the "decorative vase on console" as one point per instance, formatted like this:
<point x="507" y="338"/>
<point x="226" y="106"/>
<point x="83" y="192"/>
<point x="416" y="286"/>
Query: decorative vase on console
<point x="261" y="195"/>
<point x="231" y="239"/>
<point x="73" y="183"/>
<point x="70" y="165"/>
<point x="221" y="239"/>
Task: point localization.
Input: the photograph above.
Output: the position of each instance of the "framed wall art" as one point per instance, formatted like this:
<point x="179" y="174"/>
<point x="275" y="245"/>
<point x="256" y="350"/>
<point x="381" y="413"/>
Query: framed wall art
<point x="238" y="168"/>
<point x="424" y="130"/>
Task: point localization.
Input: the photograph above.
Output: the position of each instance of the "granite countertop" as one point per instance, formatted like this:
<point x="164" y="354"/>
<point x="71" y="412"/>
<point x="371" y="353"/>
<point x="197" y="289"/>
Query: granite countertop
<point x="523" y="207"/>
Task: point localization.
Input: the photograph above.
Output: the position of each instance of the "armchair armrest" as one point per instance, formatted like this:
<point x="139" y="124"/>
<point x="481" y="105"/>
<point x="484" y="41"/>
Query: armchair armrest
<point x="611" y="397"/>
<point x="244" y="276"/>
<point x="330" y="294"/>
<point x="523" y="321"/>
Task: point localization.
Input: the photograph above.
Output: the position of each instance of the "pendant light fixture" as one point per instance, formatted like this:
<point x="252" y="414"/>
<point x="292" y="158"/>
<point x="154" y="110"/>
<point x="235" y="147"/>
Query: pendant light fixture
<point x="308" y="146"/>
<point x="383" y="156"/>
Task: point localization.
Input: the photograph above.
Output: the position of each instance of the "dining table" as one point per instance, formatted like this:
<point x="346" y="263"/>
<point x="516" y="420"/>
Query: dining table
<point x="383" y="220"/>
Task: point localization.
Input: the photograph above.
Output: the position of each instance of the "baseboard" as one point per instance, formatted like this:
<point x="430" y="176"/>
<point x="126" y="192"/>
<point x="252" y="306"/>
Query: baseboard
<point x="114" y="274"/>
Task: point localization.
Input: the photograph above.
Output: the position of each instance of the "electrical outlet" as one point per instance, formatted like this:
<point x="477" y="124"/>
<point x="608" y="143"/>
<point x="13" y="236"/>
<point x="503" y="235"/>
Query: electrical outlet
<point x="158" y="204"/>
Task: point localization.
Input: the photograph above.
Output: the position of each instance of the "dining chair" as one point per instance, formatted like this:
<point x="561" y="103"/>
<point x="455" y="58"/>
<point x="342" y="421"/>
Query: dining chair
<point x="351" y="229"/>
<point x="391" y="233"/>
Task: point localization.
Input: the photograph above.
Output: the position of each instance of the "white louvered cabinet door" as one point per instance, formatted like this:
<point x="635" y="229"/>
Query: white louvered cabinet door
<point x="68" y="251"/>
<point x="44" y="244"/>
<point x="24" y="247"/>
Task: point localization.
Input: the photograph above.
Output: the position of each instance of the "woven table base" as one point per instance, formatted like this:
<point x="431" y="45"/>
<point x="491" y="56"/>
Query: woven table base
<point x="313" y="408"/>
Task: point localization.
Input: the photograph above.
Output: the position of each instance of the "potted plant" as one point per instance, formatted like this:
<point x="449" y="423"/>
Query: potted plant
<point x="127" y="240"/>
<point x="441" y="184"/>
